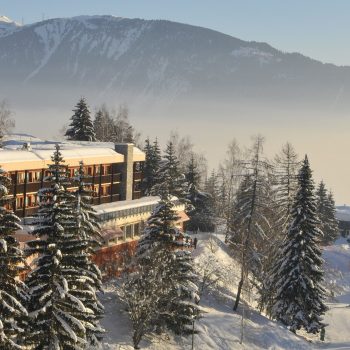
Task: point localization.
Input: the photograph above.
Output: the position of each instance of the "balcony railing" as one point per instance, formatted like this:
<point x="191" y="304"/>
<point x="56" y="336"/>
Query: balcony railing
<point x="137" y="176"/>
<point x="136" y="195"/>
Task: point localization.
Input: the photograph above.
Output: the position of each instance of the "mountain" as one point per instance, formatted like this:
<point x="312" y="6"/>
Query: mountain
<point x="158" y="62"/>
<point x="7" y="25"/>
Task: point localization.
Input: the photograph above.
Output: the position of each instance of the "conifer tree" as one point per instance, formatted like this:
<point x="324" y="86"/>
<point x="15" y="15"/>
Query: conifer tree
<point x="169" y="173"/>
<point x="90" y="281"/>
<point x="81" y="127"/>
<point x="326" y="213"/>
<point x="202" y="214"/>
<point x="211" y="187"/>
<point x="55" y="313"/>
<point x="299" y="298"/>
<point x="331" y="226"/>
<point x="162" y="257"/>
<point x="13" y="315"/>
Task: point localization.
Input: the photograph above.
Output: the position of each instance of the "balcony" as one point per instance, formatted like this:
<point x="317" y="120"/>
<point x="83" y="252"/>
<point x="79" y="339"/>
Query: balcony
<point x="137" y="175"/>
<point x="136" y="195"/>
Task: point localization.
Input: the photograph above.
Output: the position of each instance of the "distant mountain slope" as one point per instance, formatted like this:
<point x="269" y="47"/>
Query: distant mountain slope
<point x="7" y="25"/>
<point x="158" y="61"/>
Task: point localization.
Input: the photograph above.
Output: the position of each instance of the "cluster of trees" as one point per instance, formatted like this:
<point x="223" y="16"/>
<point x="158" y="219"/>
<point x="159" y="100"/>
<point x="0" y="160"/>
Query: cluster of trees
<point x="275" y="223"/>
<point x="186" y="180"/>
<point x="56" y="307"/>
<point x="107" y="126"/>
<point x="162" y="291"/>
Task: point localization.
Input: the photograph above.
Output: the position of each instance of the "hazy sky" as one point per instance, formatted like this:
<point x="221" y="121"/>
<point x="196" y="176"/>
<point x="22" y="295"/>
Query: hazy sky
<point x="316" y="28"/>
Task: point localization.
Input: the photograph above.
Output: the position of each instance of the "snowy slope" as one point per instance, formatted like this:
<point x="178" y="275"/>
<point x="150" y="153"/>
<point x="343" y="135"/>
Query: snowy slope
<point x="220" y="327"/>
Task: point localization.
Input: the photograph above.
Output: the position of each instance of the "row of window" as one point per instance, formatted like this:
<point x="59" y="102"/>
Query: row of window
<point x="32" y="200"/>
<point x="130" y="231"/>
<point x="34" y="176"/>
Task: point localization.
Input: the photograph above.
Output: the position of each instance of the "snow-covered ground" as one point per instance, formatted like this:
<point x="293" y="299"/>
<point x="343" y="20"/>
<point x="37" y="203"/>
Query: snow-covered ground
<point x="220" y="328"/>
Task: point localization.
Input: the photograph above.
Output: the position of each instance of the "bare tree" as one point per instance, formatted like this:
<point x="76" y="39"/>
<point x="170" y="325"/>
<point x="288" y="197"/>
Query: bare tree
<point x="250" y="226"/>
<point x="184" y="150"/>
<point x="7" y="123"/>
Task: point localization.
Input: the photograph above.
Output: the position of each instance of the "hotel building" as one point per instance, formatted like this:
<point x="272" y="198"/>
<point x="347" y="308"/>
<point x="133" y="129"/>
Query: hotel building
<point x="115" y="173"/>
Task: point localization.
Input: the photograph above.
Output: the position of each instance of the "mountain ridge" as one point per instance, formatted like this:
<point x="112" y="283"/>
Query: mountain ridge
<point x="160" y="63"/>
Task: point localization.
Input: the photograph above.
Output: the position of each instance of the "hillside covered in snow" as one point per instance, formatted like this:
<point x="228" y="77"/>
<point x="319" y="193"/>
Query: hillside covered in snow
<point x="220" y="327"/>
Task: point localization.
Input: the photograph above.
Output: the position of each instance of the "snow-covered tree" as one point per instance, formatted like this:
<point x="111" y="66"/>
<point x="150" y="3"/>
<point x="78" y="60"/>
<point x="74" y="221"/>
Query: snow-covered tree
<point x="7" y="123"/>
<point x="81" y="127"/>
<point x="57" y="316"/>
<point x="299" y="298"/>
<point x="182" y="300"/>
<point x="250" y="227"/>
<point x="211" y="186"/>
<point x="87" y="234"/>
<point x="13" y="315"/>
<point x="161" y="256"/>
<point x="226" y="183"/>
<point x="331" y="227"/>
<point x="103" y="125"/>
<point x="326" y="213"/>
<point x="151" y="165"/>
<point x="169" y="173"/>
<point x="202" y="214"/>
<point x="286" y="179"/>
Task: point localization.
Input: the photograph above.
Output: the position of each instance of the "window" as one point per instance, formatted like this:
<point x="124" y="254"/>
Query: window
<point x="21" y="177"/>
<point x="137" y="229"/>
<point x="31" y="200"/>
<point x="128" y="232"/>
<point x="19" y="202"/>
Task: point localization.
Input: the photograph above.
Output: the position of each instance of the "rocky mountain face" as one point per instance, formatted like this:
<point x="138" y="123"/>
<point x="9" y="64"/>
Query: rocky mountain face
<point x="157" y="62"/>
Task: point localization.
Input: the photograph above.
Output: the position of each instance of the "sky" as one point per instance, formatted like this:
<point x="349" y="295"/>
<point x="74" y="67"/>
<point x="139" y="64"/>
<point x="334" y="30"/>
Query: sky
<point x="316" y="28"/>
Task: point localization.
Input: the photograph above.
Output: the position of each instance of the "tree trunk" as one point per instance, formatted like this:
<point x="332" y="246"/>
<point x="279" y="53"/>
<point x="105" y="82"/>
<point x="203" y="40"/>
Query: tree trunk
<point x="239" y="291"/>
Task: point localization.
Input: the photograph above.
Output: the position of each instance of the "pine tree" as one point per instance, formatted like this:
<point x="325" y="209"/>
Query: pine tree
<point x="182" y="300"/>
<point x="170" y="174"/>
<point x="13" y="315"/>
<point x="202" y="214"/>
<point x="90" y="280"/>
<point x="211" y="187"/>
<point x="56" y="314"/>
<point x="299" y="298"/>
<point x="326" y="213"/>
<point x="162" y="256"/>
<point x="331" y="227"/>
<point x="81" y="127"/>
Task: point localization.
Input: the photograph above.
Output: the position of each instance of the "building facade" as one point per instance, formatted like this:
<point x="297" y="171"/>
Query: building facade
<point x="115" y="174"/>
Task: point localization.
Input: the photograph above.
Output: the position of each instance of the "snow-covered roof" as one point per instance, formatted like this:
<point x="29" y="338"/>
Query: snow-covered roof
<point x="122" y="205"/>
<point x="37" y="155"/>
